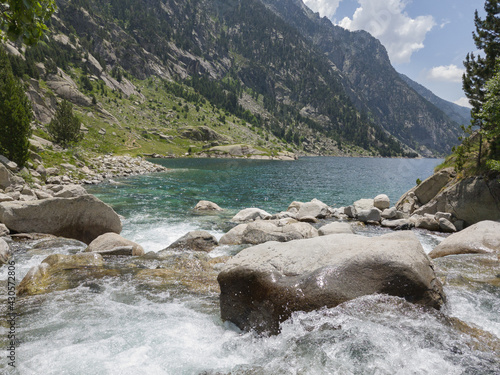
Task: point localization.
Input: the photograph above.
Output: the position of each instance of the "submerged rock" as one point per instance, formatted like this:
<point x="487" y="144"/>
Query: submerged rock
<point x="480" y="238"/>
<point x="263" y="285"/>
<point x="61" y="272"/>
<point x="114" y="244"/>
<point x="83" y="218"/>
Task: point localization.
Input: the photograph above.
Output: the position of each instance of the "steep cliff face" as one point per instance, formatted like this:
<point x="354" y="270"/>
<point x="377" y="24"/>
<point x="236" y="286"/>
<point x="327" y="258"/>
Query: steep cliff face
<point x="285" y="73"/>
<point x="371" y="81"/>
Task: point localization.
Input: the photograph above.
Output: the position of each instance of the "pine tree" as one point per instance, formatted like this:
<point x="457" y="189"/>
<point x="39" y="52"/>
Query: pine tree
<point x="15" y="115"/>
<point x="65" y="126"/>
<point x="479" y="69"/>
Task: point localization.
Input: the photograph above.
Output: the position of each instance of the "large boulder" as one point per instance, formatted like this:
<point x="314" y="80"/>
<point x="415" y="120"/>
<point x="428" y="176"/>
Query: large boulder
<point x="315" y="209"/>
<point x="114" y="244"/>
<point x="429" y="188"/>
<point x="83" y="218"/>
<point x="61" y="272"/>
<point x="197" y="240"/>
<point x="264" y="284"/>
<point x="480" y="238"/>
<point x="250" y="214"/>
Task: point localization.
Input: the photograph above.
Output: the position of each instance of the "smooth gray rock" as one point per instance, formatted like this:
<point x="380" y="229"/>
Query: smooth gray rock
<point x="83" y="218"/>
<point x="197" y="240"/>
<point x="234" y="236"/>
<point x="207" y="206"/>
<point x="429" y="188"/>
<point x="396" y="223"/>
<point x="114" y="244"/>
<point x="335" y="228"/>
<point x="5" y="252"/>
<point x="381" y="202"/>
<point x="250" y="214"/>
<point x="371" y="215"/>
<point x="70" y="191"/>
<point x="4" y="231"/>
<point x="315" y="208"/>
<point x="264" y="231"/>
<point x="263" y="285"/>
<point x="363" y="205"/>
<point x="425" y="222"/>
<point x="6" y="177"/>
<point x="446" y="226"/>
<point x="294" y="207"/>
<point x="480" y="238"/>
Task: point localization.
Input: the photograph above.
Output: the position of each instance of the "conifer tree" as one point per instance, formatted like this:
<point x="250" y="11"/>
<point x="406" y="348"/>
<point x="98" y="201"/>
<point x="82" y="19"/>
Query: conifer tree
<point x="65" y="126"/>
<point x="478" y="68"/>
<point x="15" y="115"/>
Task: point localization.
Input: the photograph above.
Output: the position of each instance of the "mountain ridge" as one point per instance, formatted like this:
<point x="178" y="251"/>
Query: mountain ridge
<point x="233" y="66"/>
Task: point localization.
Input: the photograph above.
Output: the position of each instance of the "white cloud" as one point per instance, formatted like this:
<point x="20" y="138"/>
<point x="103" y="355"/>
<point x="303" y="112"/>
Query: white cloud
<point x="464" y="102"/>
<point x="448" y="73"/>
<point x="326" y="8"/>
<point x="387" y="21"/>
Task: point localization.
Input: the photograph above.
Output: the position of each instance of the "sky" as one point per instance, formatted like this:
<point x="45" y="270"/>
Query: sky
<point x="427" y="40"/>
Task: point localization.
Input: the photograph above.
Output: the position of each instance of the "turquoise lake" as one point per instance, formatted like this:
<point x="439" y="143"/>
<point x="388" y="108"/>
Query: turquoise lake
<point x="159" y="206"/>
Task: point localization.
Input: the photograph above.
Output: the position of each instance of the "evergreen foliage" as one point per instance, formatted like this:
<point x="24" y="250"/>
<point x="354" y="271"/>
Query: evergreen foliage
<point x="480" y="88"/>
<point x="15" y="115"/>
<point x="25" y="20"/>
<point x="65" y="126"/>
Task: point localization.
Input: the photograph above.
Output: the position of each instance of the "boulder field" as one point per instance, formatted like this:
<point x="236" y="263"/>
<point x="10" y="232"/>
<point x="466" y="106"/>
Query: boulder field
<point x="263" y="285"/>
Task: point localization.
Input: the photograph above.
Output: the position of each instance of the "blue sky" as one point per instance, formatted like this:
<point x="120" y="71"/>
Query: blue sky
<point x="426" y="39"/>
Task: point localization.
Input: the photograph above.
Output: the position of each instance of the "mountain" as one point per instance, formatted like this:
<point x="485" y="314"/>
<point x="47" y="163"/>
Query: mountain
<point x="268" y="73"/>
<point x="371" y="82"/>
<point x="457" y="113"/>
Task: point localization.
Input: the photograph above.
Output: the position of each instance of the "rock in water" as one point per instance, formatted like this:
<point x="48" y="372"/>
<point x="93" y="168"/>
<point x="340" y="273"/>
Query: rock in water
<point x="83" y="218"/>
<point x="207" y="206"/>
<point x="114" y="244"/>
<point x="480" y="238"/>
<point x="197" y="240"/>
<point x="250" y="214"/>
<point x="264" y="284"/>
<point x="5" y="252"/>
<point x="60" y="272"/>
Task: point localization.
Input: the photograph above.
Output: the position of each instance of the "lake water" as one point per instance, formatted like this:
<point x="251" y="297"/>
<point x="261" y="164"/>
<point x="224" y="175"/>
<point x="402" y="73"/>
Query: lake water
<point x="115" y="326"/>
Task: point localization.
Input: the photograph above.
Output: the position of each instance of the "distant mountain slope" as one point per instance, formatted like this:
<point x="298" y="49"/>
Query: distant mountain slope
<point x="457" y="113"/>
<point x="372" y="82"/>
<point x="287" y="76"/>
